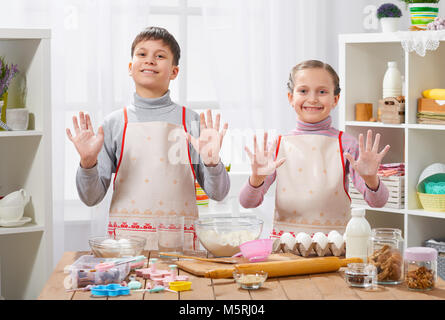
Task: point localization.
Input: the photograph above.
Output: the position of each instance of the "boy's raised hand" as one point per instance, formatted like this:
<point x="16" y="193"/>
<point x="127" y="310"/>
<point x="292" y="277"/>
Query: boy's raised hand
<point x="369" y="159"/>
<point x="87" y="144"/>
<point x="209" y="143"/>
<point x="262" y="161"/>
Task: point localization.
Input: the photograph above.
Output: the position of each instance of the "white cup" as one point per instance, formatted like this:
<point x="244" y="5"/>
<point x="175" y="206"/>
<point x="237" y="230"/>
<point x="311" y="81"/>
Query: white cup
<point x="11" y="213"/>
<point x="17" y="118"/>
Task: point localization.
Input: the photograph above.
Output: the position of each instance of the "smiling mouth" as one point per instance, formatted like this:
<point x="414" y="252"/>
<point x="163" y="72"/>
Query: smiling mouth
<point x="149" y="71"/>
<point x="312" y="108"/>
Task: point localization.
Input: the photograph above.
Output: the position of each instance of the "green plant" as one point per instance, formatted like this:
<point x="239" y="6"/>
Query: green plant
<point x="388" y="10"/>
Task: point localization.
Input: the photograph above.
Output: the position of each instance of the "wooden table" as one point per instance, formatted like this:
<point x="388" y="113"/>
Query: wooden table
<point x="327" y="286"/>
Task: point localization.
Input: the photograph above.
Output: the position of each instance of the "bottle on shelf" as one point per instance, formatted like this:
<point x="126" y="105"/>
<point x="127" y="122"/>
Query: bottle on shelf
<point x="392" y="81"/>
<point x="357" y="235"/>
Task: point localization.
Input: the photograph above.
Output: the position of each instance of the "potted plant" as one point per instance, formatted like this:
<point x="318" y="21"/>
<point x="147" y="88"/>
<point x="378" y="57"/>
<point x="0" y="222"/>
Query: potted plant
<point x="422" y="12"/>
<point x="7" y="72"/>
<point x="389" y="15"/>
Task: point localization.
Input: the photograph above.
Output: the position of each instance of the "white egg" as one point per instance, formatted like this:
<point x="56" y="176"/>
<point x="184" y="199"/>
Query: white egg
<point x="332" y="233"/>
<point x="304" y="239"/>
<point x="288" y="240"/>
<point x="337" y="240"/>
<point x="321" y="239"/>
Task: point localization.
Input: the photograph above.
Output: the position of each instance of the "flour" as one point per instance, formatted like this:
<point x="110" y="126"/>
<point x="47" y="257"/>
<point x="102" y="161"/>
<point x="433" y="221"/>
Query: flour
<point x="225" y="244"/>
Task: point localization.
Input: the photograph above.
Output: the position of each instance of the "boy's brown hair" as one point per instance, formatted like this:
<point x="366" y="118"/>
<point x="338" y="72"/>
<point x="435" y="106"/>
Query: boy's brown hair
<point x="311" y="64"/>
<point x="157" y="33"/>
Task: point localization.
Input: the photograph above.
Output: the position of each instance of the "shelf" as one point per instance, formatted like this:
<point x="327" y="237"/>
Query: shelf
<point x="362" y="65"/>
<point x="417" y="212"/>
<point x="426" y="126"/>
<point x="397" y="126"/>
<point x="27" y="133"/>
<point x="29" y="227"/>
<point x="374" y="124"/>
<point x="423" y="213"/>
<point x="24" y="33"/>
<point x="393" y="210"/>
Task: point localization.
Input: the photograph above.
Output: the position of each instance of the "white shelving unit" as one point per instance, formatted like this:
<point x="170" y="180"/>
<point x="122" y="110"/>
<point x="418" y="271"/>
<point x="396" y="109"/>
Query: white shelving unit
<point x="25" y="162"/>
<point x="362" y="64"/>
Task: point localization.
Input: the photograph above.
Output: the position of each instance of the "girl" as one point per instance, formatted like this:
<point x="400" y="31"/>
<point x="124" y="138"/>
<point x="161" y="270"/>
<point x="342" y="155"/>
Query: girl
<point x="313" y="162"/>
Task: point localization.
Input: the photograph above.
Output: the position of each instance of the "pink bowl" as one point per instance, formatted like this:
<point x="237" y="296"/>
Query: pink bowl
<point x="256" y="250"/>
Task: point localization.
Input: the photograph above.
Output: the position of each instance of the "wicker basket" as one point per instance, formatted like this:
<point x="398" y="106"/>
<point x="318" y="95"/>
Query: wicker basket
<point x="432" y="202"/>
<point x="439" y="245"/>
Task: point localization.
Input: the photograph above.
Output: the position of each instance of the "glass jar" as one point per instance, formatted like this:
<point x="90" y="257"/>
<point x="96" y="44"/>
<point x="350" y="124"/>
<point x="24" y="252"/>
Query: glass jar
<point x="385" y="252"/>
<point x="361" y="275"/>
<point x="420" y="268"/>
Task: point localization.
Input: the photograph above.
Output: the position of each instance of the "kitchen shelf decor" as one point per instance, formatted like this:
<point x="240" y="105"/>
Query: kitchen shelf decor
<point x="362" y="65"/>
<point x="26" y="252"/>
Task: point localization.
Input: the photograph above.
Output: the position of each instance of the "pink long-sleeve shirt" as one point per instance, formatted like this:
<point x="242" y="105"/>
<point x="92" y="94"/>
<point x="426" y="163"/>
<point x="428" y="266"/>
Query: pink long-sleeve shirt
<point x="251" y="197"/>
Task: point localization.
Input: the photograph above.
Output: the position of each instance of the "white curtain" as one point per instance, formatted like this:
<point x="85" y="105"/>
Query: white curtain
<point x="255" y="43"/>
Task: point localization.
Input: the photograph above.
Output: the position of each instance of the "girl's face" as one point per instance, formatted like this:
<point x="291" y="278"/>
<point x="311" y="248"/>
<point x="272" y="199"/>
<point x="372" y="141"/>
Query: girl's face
<point x="313" y="96"/>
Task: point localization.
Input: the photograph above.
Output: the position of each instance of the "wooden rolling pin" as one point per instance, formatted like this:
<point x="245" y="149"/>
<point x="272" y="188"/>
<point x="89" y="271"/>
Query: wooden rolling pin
<point x="286" y="268"/>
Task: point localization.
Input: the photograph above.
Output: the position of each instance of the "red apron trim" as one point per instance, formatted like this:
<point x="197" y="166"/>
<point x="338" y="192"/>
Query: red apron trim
<point x="188" y="147"/>
<point x="343" y="164"/>
<point x="278" y="147"/>
<point x="122" y="146"/>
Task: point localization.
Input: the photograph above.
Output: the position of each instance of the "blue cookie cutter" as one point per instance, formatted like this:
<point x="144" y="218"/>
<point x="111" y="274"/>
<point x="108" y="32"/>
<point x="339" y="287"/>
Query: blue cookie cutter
<point x="110" y="290"/>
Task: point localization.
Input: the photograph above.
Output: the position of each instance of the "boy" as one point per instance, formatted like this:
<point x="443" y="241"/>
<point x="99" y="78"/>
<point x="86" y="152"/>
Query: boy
<point x="136" y="143"/>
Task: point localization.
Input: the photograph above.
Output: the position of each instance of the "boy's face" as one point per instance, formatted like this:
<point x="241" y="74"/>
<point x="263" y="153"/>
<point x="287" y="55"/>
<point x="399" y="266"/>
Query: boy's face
<point x="313" y="96"/>
<point x="152" y="68"/>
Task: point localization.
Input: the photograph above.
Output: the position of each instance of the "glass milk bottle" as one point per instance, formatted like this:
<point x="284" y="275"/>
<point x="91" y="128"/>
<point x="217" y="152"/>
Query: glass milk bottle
<point x="392" y="81"/>
<point x="357" y="234"/>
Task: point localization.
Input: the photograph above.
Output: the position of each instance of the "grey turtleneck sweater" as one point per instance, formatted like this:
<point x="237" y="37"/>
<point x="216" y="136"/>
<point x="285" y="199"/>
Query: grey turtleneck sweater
<point x="92" y="184"/>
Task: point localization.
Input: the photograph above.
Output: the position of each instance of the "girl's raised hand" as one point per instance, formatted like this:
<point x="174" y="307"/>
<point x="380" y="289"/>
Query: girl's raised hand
<point x="369" y="159"/>
<point x="87" y="144"/>
<point x="209" y="143"/>
<point x="263" y="162"/>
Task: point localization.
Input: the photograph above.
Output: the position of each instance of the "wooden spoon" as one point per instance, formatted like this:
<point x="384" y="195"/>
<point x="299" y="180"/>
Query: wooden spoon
<point x="219" y="260"/>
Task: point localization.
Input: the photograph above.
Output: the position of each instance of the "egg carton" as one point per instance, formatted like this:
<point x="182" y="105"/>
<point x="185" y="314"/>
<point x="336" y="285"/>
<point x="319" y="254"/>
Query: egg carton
<point x="315" y="249"/>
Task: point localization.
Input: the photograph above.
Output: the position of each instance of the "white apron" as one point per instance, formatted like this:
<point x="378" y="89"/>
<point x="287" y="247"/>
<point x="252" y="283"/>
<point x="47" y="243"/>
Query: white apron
<point x="310" y="191"/>
<point x="154" y="178"/>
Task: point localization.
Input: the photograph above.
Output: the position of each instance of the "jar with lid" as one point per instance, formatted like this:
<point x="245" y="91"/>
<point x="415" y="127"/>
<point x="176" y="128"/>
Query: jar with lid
<point x="420" y="268"/>
<point x="386" y="254"/>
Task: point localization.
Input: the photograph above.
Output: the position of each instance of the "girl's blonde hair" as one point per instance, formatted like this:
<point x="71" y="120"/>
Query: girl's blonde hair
<point x="312" y="64"/>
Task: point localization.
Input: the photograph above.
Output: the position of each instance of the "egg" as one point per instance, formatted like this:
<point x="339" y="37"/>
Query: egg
<point x="288" y="240"/>
<point x="304" y="239"/>
<point x="321" y="239"/>
<point x="337" y="239"/>
<point x="332" y="233"/>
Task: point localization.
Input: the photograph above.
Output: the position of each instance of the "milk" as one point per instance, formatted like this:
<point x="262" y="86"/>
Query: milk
<point x="392" y="81"/>
<point x="357" y="235"/>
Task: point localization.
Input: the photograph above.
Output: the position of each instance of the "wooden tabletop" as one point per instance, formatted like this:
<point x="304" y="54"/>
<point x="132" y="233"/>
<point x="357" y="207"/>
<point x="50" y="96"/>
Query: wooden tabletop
<point x="326" y="286"/>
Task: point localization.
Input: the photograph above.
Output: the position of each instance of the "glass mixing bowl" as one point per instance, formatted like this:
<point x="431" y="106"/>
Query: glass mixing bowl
<point x="222" y="235"/>
<point x="107" y="247"/>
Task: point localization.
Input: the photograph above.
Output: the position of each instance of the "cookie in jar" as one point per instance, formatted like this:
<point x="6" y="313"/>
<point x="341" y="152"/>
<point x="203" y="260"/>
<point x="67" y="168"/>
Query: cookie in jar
<point x="420" y="268"/>
<point x="386" y="254"/>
